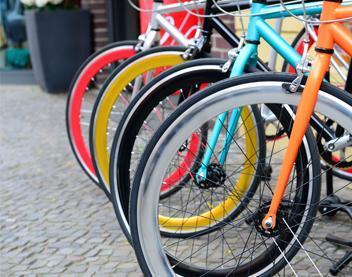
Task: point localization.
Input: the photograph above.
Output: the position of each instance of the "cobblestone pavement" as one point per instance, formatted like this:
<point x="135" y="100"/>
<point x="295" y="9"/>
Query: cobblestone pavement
<point x="53" y="220"/>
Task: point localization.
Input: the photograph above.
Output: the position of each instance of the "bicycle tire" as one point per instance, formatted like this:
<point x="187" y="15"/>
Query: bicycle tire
<point x="198" y="71"/>
<point x="92" y="65"/>
<point x="140" y="213"/>
<point x="109" y="95"/>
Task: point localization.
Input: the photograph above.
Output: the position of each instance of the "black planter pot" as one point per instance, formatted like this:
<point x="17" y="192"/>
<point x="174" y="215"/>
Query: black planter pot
<point x="59" y="41"/>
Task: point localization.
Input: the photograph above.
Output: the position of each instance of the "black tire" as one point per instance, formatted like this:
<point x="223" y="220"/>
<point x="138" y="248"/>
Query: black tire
<point x="102" y="92"/>
<point x="199" y="71"/>
<point x="301" y="162"/>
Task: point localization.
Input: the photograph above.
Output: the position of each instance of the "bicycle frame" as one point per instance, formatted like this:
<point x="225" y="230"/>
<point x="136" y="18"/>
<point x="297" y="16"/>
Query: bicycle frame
<point x="329" y="34"/>
<point x="158" y="20"/>
<point x="334" y="60"/>
<point x="258" y="28"/>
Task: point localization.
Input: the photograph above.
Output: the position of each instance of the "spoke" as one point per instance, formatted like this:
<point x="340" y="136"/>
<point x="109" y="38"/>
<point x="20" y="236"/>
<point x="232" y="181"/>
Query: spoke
<point x="294" y="235"/>
<point x="283" y="254"/>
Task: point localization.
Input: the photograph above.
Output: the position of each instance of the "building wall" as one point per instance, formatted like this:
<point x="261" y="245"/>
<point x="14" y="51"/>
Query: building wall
<point x="219" y="46"/>
<point x="100" y="21"/>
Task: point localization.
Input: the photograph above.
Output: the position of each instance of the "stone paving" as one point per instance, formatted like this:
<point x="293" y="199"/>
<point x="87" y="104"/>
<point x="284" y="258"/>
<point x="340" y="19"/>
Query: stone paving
<point x="53" y="220"/>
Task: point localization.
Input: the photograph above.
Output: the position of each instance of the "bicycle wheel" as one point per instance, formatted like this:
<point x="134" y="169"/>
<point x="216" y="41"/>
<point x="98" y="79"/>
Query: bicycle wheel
<point x="144" y="115"/>
<point x="241" y="247"/>
<point x="82" y="95"/>
<point x="114" y="97"/>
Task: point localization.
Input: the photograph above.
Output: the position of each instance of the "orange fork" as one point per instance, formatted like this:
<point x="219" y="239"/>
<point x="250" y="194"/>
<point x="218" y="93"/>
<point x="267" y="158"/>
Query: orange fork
<point x="328" y="34"/>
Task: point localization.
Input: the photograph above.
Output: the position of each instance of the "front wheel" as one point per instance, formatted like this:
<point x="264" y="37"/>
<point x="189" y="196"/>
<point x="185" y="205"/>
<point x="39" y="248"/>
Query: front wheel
<point x="116" y="94"/>
<point x="147" y="111"/>
<point x="241" y="247"/>
<point x="83" y="93"/>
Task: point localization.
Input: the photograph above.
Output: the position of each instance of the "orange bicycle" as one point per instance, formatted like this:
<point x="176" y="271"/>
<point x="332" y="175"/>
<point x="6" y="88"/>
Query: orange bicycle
<point x="274" y="233"/>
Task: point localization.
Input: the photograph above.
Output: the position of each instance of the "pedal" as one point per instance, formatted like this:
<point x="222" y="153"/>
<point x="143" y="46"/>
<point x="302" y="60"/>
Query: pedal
<point x="329" y="206"/>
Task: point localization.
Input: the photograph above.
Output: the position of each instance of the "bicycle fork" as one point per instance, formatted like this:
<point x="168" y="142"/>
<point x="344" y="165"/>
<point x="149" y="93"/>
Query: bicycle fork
<point x="329" y="33"/>
<point x="304" y="112"/>
<point x="247" y="55"/>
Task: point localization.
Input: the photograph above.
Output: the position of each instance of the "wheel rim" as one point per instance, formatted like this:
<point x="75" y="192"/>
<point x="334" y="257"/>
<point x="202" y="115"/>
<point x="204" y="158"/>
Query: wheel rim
<point x="111" y="95"/>
<point x="225" y="208"/>
<point x="142" y="212"/>
<point x="74" y="119"/>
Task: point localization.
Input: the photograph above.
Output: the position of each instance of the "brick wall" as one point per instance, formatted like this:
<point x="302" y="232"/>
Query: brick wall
<point x="219" y="46"/>
<point x="100" y="21"/>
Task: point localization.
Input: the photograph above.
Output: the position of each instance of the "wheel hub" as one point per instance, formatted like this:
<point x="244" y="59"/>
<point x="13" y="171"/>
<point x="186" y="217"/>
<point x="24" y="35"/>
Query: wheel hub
<point x="258" y="216"/>
<point x="216" y="177"/>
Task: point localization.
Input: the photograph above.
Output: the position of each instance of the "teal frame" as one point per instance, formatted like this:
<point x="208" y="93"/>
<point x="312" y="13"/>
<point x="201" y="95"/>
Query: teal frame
<point x="257" y="28"/>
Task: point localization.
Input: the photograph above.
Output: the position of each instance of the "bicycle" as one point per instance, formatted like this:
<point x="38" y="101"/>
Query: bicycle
<point x="99" y="131"/>
<point x="134" y="130"/>
<point x="115" y="92"/>
<point x="283" y="217"/>
<point x="93" y="71"/>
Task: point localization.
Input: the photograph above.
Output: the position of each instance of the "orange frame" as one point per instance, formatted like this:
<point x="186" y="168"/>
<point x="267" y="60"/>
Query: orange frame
<point x="329" y="34"/>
